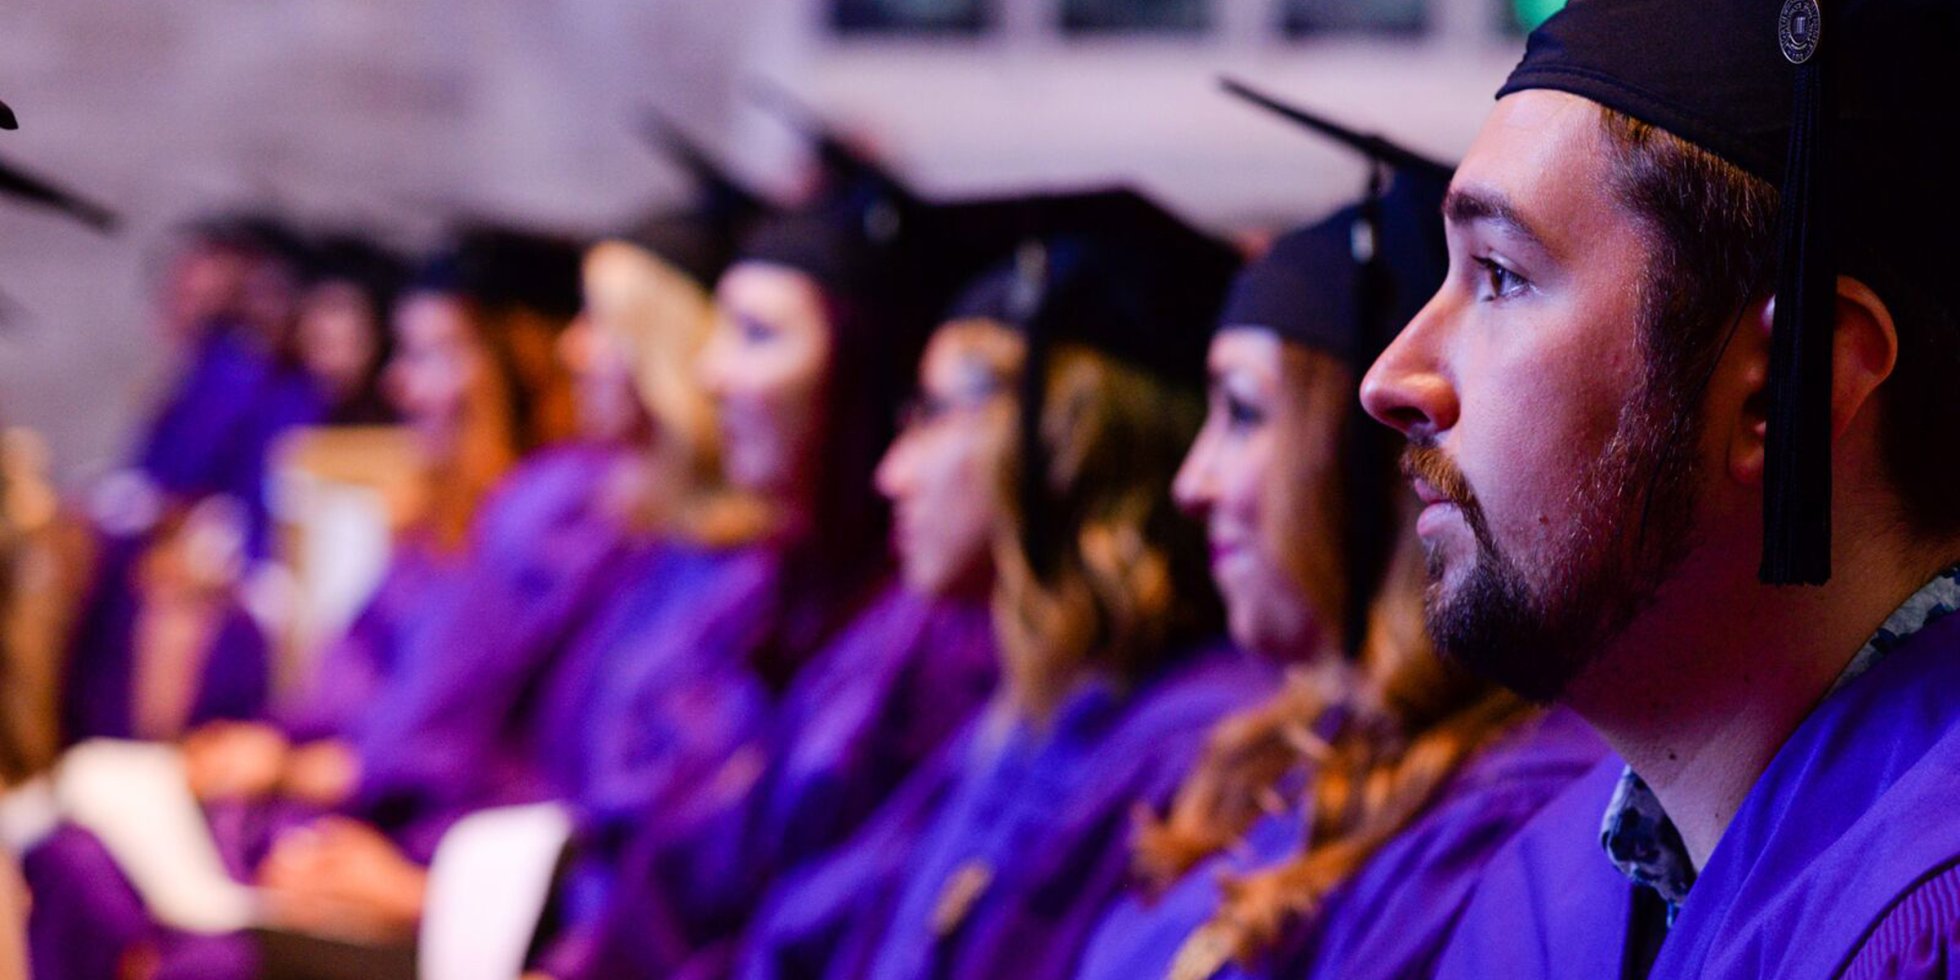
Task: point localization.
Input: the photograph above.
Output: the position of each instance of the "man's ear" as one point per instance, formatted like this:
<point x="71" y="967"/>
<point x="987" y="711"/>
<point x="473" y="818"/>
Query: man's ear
<point x="1865" y="348"/>
<point x="1744" y="370"/>
<point x="1866" y="351"/>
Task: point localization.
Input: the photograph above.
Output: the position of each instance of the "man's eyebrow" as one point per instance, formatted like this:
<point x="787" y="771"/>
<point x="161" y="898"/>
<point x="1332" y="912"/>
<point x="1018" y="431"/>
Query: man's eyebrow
<point x="1466" y="206"/>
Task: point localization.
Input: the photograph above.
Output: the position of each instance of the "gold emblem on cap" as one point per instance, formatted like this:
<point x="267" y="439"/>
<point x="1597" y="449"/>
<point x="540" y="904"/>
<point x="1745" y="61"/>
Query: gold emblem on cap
<point x="1798" y="28"/>
<point x="963" y="888"/>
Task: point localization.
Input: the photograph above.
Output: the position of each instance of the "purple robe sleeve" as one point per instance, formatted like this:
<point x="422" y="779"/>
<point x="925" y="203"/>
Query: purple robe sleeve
<point x="85" y="915"/>
<point x="452" y="737"/>
<point x="357" y="671"/>
<point x="1394" y="916"/>
<point x="859" y="719"/>
<point x="1081" y="867"/>
<point x="1919" y="938"/>
<point x="826" y="918"/>
<point x="237" y="681"/>
<point x="98" y="696"/>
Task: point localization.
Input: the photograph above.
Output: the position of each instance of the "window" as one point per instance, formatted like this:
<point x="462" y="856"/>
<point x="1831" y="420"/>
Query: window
<point x="1305" y="17"/>
<point x="1522" y="16"/>
<point x="955" y="17"/>
<point x="1135" y="16"/>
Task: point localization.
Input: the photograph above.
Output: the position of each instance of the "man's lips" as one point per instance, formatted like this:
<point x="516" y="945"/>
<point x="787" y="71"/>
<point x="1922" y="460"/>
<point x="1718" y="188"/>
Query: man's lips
<point x="1224" y="551"/>
<point x="1428" y="494"/>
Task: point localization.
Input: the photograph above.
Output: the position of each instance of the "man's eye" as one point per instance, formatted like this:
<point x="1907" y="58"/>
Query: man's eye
<point x="1242" y="414"/>
<point x="1500" y="282"/>
<point x="755" y="331"/>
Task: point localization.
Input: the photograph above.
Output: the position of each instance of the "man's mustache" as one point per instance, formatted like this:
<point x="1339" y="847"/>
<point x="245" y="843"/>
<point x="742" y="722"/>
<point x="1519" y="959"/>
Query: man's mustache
<point x="1425" y="462"/>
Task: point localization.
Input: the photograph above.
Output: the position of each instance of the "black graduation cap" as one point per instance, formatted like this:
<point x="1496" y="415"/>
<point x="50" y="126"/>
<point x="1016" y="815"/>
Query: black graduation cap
<point x="1347" y="285"/>
<point x="701" y="238"/>
<point x="352" y="258"/>
<point x="41" y="192"/>
<point x="1107" y="268"/>
<point x="841" y="162"/>
<point x="504" y="268"/>
<point x="866" y="234"/>
<point x="1847" y="107"/>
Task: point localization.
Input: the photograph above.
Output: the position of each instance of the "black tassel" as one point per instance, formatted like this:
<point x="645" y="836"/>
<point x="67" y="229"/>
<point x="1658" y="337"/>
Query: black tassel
<point x="1797" y="495"/>
<point x="1370" y="457"/>
<point x="1040" y="527"/>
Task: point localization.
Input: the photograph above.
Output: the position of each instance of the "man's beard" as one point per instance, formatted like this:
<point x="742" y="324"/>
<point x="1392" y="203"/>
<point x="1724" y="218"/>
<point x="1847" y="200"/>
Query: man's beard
<point x="1631" y="519"/>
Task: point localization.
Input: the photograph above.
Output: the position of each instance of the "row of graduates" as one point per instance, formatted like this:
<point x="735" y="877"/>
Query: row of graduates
<point x="1026" y="750"/>
<point x="1698" y="276"/>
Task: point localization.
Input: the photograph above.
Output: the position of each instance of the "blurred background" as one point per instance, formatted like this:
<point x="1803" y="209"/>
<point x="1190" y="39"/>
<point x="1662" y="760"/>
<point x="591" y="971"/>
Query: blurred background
<point x="399" y="116"/>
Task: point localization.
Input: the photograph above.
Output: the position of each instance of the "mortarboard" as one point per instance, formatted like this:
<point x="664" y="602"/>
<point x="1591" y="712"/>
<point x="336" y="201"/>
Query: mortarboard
<point x="1109" y="269"/>
<point x="505" y="268"/>
<point x="361" y="261"/>
<point x="700" y="238"/>
<point x="868" y="237"/>
<point x="1346" y="285"/>
<point x="25" y="186"/>
<point x="1845" y="107"/>
<point x="41" y="192"/>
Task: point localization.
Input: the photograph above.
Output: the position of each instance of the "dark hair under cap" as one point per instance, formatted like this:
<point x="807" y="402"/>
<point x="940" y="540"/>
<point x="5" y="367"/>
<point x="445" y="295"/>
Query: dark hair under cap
<point x="505" y="268"/>
<point x="1346" y="286"/>
<point x="1109" y="269"/>
<point x="699" y="238"/>
<point x="1847" y="108"/>
<point x="1308" y="287"/>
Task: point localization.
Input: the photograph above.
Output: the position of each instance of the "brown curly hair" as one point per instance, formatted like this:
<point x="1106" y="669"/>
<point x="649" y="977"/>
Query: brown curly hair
<point x="1372" y="743"/>
<point x="1133" y="588"/>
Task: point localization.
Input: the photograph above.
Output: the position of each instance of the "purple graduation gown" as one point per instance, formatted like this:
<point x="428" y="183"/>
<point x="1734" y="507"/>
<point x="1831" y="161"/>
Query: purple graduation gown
<point x="657" y="706"/>
<point x="887" y="694"/>
<point x="1549" y="903"/>
<point x="1020" y="847"/>
<point x="214" y="430"/>
<point x="205" y="419"/>
<point x="456" y="734"/>
<point x="1846" y="836"/>
<point x="211" y="436"/>
<point x="80" y="891"/>
<point x="538" y="538"/>
<point x="1392" y="918"/>
<point x="97" y="695"/>
<point x="1839" y="862"/>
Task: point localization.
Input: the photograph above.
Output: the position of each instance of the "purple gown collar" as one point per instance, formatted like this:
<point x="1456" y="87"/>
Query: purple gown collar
<point x="1636" y="832"/>
<point x="1854" y="811"/>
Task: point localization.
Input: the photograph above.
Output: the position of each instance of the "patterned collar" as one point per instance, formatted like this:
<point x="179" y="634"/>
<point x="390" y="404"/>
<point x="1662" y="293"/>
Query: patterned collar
<point x="1639" y="838"/>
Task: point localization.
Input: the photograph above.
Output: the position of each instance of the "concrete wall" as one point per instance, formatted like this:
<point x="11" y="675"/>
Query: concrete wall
<point x="399" y="113"/>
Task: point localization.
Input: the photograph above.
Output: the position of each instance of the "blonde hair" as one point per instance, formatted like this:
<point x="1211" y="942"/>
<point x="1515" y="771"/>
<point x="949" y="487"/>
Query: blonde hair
<point x="1373" y="742"/>
<point x="1130" y="585"/>
<point x="660" y="318"/>
<point x="43" y="557"/>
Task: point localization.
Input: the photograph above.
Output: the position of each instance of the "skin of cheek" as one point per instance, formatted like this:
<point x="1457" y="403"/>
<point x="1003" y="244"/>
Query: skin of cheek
<point x="955" y="509"/>
<point x="1542" y="379"/>
<point x="433" y="372"/>
<point x="944" y="508"/>
<point x="608" y="405"/>
<point x="1263" y="605"/>
<point x="770" y="391"/>
<point x="1229" y="477"/>
<point x="1546" y="409"/>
